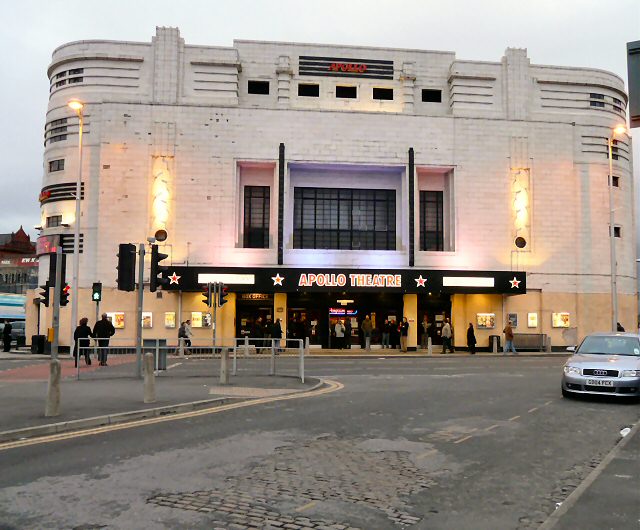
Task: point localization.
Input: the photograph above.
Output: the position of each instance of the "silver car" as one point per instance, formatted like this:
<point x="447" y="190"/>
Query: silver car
<point x="604" y="364"/>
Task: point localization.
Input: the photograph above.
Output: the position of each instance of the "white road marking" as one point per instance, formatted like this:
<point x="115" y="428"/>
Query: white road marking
<point x="173" y="365"/>
<point x="533" y="409"/>
<point x="514" y="418"/>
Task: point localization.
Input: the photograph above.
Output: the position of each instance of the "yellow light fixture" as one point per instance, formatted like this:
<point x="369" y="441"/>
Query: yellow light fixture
<point x="76" y="105"/>
<point x="620" y="129"/>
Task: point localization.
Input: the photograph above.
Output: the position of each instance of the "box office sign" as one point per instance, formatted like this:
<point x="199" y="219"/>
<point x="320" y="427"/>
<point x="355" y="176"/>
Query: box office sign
<point x="281" y="279"/>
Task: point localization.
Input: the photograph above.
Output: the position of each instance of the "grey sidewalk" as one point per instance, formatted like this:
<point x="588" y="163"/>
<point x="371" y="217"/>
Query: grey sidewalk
<point x="610" y="497"/>
<point x="23" y="402"/>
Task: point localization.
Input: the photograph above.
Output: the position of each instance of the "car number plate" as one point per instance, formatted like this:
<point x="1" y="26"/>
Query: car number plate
<point x="599" y="382"/>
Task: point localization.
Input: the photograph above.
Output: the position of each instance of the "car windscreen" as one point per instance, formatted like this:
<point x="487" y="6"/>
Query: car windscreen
<point x="610" y="346"/>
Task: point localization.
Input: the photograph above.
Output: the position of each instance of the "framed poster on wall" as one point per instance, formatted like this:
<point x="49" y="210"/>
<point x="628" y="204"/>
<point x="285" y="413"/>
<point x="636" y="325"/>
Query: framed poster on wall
<point x="486" y="320"/>
<point x="117" y="319"/>
<point x="147" y="320"/>
<point x="513" y="318"/>
<point x="170" y="319"/>
<point x="196" y="319"/>
<point x="532" y="320"/>
<point x="560" y="320"/>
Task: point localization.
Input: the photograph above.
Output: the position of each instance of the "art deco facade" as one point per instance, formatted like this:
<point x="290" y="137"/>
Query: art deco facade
<point x="335" y="181"/>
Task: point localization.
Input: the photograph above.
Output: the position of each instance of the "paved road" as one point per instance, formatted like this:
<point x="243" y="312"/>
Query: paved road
<point x="407" y="443"/>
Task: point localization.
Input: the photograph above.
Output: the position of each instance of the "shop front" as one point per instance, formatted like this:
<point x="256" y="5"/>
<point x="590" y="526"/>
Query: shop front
<point x="310" y="302"/>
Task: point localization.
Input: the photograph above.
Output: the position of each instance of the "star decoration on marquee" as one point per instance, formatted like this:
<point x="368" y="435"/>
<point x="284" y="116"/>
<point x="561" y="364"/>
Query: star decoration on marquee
<point x="174" y="278"/>
<point x="515" y="283"/>
<point x="420" y="281"/>
<point x="277" y="279"/>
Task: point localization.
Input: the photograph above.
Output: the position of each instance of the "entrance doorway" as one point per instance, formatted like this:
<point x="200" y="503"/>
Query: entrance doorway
<point x="253" y="310"/>
<point x="436" y="307"/>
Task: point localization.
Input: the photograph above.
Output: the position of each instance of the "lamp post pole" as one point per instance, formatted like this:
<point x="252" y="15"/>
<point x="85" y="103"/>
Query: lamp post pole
<point x="78" y="107"/>
<point x="619" y="129"/>
<point x="612" y="242"/>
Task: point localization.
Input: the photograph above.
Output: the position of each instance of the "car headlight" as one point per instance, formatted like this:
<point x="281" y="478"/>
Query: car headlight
<point x="630" y="373"/>
<point x="572" y="370"/>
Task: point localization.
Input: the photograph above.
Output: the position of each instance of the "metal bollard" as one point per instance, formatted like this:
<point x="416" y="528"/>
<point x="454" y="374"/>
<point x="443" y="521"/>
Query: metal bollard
<point x="181" y="347"/>
<point x="246" y="346"/>
<point x="429" y="346"/>
<point x="301" y="361"/>
<point x="306" y="346"/>
<point x="234" y="369"/>
<point x="224" y="366"/>
<point x="547" y="344"/>
<point x="272" y="368"/>
<point x="149" y="379"/>
<point x="495" y="344"/>
<point x="52" y="406"/>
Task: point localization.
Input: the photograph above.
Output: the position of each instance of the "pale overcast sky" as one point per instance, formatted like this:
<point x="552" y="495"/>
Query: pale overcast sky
<point x="589" y="33"/>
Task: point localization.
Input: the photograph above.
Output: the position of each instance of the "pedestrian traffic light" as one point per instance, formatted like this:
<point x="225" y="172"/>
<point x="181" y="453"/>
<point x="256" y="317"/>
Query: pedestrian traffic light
<point x="222" y="294"/>
<point x="156" y="280"/>
<point x="126" y="267"/>
<point x="64" y="295"/>
<point x="96" y="296"/>
<point x="207" y="299"/>
<point x="44" y="294"/>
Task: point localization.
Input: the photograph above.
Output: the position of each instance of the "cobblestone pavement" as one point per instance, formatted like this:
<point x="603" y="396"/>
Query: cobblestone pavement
<point x="296" y="478"/>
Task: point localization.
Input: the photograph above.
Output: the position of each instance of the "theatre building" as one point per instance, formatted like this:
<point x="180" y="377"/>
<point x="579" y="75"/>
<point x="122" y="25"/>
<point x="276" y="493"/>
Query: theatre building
<point x="325" y="182"/>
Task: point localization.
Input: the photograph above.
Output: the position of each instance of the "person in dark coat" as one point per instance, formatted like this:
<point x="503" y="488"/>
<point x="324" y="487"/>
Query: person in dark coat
<point x="394" y="334"/>
<point x="404" y="333"/>
<point x="347" y="333"/>
<point x="471" y="339"/>
<point x="81" y="337"/>
<point x="103" y="331"/>
<point x="277" y="334"/>
<point x="6" y="336"/>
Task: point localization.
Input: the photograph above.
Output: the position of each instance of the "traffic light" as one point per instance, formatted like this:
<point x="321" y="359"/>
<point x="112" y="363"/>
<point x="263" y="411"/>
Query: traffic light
<point x="44" y="295"/>
<point x="126" y="267"/>
<point x="156" y="280"/>
<point x="207" y="299"/>
<point x="96" y="296"/>
<point x="222" y="294"/>
<point x="64" y="295"/>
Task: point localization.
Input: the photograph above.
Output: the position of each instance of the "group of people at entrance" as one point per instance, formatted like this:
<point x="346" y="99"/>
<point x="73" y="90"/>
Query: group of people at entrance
<point x="393" y="334"/>
<point x="102" y="331"/>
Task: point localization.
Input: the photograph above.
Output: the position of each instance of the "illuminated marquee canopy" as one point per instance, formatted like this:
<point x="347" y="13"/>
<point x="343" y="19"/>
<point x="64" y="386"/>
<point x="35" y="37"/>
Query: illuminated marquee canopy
<point x="283" y="279"/>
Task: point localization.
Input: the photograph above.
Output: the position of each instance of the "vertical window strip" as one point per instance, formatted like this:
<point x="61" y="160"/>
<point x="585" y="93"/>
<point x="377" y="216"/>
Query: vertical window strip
<point x="256" y="216"/>
<point x="431" y="221"/>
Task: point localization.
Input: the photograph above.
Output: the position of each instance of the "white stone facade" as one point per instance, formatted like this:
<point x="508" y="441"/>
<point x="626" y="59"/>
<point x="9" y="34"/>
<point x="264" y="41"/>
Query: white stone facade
<point x="500" y="125"/>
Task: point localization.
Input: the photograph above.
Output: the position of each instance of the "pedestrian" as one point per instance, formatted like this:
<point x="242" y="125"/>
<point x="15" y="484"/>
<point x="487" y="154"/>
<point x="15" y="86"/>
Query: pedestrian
<point x="277" y="334"/>
<point x="339" y="331"/>
<point x="257" y="333"/>
<point x="81" y="337"/>
<point x="404" y="334"/>
<point x="424" y="328"/>
<point x="619" y="327"/>
<point x="347" y="334"/>
<point x="103" y="331"/>
<point x="394" y="336"/>
<point x="446" y="337"/>
<point x="367" y="329"/>
<point x="182" y="339"/>
<point x="188" y="333"/>
<point x="6" y="336"/>
<point x="386" y="334"/>
<point x="508" y="339"/>
<point x="471" y="339"/>
<point x="268" y="333"/>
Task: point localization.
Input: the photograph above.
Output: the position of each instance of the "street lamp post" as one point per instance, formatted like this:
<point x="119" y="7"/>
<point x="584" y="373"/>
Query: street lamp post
<point x="78" y="107"/>
<point x="619" y="129"/>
